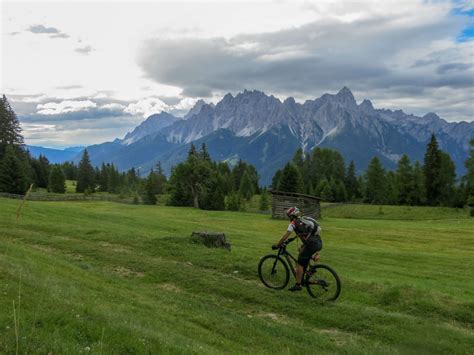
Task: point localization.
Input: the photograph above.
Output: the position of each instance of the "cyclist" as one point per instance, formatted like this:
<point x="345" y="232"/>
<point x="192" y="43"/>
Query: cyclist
<point x="308" y="230"/>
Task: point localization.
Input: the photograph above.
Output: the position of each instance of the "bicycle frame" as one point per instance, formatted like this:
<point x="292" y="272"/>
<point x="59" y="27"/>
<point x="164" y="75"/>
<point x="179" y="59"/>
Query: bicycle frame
<point x="286" y="254"/>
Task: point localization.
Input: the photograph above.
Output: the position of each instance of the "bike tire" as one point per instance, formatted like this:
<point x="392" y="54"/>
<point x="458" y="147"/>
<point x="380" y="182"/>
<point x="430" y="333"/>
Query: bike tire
<point x="276" y="265"/>
<point x="319" y="279"/>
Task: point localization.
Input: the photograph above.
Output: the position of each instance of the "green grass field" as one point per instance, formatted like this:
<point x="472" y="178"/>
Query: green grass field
<point x="100" y="277"/>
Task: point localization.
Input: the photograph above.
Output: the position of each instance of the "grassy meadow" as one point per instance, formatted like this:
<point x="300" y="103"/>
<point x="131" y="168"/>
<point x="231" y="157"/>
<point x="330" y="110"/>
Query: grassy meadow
<point x="102" y="277"/>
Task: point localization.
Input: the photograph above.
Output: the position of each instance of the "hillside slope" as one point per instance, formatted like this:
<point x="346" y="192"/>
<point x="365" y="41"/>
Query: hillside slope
<point x="104" y="277"/>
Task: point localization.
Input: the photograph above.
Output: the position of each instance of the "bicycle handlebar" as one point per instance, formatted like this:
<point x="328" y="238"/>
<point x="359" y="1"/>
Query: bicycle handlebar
<point x="284" y="244"/>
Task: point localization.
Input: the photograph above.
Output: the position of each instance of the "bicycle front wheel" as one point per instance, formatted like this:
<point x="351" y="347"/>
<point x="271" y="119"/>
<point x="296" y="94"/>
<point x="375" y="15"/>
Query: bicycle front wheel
<point x="323" y="283"/>
<point x="273" y="272"/>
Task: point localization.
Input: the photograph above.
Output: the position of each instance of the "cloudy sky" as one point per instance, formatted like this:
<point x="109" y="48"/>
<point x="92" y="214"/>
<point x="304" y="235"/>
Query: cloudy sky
<point x="79" y="73"/>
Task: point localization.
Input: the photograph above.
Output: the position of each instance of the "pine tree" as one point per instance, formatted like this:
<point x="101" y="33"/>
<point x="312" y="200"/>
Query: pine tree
<point x="13" y="178"/>
<point x="431" y="170"/>
<point x="469" y="177"/>
<point x="404" y="180"/>
<point x="190" y="178"/>
<point x="16" y="174"/>
<point x="298" y="158"/>
<point x="391" y="196"/>
<point x="246" y="188"/>
<point x="362" y="187"/>
<point x="276" y="180"/>
<point x="306" y="175"/>
<point x="224" y="172"/>
<point x="103" y="178"/>
<point x="351" y="183"/>
<point x="340" y="193"/>
<point x="203" y="153"/>
<point x="327" y="163"/>
<point x="44" y="169"/>
<point x="10" y="129"/>
<point x="192" y="151"/>
<point x="85" y="175"/>
<point x="57" y="180"/>
<point x="180" y="193"/>
<point x="149" y="196"/>
<point x="418" y="193"/>
<point x="161" y="179"/>
<point x="327" y="191"/>
<point x="113" y="179"/>
<point x="214" y="198"/>
<point x="376" y="188"/>
<point x="291" y="180"/>
<point x="446" y="178"/>
<point x="132" y="180"/>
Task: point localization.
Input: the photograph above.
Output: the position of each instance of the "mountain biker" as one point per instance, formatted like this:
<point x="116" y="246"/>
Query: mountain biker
<point x="308" y="230"/>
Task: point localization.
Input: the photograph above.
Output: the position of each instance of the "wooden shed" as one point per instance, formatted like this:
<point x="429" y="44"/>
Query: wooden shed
<point x="281" y="201"/>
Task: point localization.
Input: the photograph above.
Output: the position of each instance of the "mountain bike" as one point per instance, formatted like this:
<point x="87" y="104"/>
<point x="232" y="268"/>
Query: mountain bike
<point x="321" y="281"/>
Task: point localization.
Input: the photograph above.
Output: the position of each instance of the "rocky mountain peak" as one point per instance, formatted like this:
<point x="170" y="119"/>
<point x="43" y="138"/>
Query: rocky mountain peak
<point x="152" y="124"/>
<point x="431" y="116"/>
<point x="366" y="106"/>
<point x="346" y="97"/>
<point x="195" y="109"/>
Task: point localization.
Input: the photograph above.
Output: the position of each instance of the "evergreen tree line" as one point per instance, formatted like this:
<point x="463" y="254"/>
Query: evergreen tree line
<point x="16" y="172"/>
<point x="323" y="173"/>
<point x="107" y="178"/>
<point x="203" y="183"/>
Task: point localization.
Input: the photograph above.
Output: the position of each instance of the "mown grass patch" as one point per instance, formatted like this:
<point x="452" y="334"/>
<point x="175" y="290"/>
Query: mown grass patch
<point x="110" y="278"/>
<point x="389" y="212"/>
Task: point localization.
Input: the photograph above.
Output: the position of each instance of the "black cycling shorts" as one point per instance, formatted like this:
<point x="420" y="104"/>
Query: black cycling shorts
<point x="311" y="246"/>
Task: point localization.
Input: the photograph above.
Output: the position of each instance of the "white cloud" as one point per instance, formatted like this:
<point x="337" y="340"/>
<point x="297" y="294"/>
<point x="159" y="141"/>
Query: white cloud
<point x="113" y="107"/>
<point x="53" y="108"/>
<point x="186" y="104"/>
<point x="147" y="107"/>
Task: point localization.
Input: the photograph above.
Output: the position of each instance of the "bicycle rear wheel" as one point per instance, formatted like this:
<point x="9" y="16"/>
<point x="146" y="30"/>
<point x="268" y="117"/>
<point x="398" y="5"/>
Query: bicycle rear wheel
<point x="273" y="272"/>
<point x="323" y="283"/>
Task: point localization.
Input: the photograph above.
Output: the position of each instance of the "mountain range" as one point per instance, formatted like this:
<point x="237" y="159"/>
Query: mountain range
<point x="266" y="132"/>
<point x="55" y="155"/>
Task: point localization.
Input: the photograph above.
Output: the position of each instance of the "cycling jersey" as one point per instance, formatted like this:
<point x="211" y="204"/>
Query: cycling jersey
<point x="304" y="227"/>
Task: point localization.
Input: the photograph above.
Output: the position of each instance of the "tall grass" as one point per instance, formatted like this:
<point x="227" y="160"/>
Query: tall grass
<point x="100" y="277"/>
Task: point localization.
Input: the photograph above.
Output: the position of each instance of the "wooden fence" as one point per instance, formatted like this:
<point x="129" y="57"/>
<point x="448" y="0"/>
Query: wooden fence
<point x="281" y="201"/>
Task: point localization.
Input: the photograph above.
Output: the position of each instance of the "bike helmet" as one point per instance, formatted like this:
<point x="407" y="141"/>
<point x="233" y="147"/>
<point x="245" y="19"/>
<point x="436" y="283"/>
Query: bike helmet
<point x="293" y="212"/>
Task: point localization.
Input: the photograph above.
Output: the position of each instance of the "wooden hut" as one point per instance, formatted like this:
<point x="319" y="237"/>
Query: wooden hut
<point x="281" y="201"/>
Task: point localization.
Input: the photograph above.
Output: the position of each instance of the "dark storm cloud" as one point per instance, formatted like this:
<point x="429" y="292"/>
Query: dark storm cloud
<point x="324" y="55"/>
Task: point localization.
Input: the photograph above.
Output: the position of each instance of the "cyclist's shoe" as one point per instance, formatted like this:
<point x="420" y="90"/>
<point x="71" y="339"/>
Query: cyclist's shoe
<point x="296" y="287"/>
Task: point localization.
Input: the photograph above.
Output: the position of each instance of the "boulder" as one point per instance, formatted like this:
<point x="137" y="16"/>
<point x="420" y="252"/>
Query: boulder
<point x="211" y="239"/>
